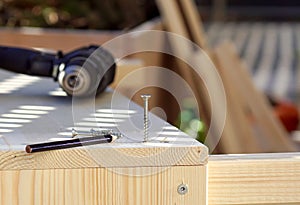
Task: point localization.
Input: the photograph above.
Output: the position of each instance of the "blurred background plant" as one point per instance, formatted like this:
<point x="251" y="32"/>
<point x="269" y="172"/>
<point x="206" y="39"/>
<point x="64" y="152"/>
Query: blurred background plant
<point x="189" y="121"/>
<point x="79" y="14"/>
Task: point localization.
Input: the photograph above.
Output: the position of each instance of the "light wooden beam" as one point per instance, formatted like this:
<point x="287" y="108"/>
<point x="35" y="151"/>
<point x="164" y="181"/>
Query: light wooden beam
<point x="254" y="179"/>
<point x="94" y="186"/>
<point x="268" y="134"/>
<point x="127" y="171"/>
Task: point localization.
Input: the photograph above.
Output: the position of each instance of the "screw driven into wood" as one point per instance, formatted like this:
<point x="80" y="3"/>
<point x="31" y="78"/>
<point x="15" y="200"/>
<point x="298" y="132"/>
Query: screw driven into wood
<point x="182" y="189"/>
<point x="146" y="116"/>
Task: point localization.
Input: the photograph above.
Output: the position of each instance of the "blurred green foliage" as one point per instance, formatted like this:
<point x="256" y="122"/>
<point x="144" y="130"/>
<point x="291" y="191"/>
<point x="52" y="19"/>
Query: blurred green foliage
<point x="189" y="120"/>
<point x="80" y="14"/>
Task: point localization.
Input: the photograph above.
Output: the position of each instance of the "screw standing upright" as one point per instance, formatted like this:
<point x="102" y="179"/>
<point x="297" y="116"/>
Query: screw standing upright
<point x="146" y="116"/>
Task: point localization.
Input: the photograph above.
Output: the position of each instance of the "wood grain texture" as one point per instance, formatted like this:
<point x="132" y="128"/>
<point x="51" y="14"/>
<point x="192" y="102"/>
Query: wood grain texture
<point x="254" y="179"/>
<point x="132" y="186"/>
<point x="132" y="155"/>
<point x="167" y="145"/>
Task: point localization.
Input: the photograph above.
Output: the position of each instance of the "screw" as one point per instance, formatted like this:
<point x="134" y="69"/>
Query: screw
<point x="182" y="189"/>
<point x="74" y="133"/>
<point x="146" y="117"/>
<point x="95" y="133"/>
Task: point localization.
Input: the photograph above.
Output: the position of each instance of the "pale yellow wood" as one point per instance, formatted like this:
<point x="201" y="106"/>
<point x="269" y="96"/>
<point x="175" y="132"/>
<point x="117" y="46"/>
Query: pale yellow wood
<point x="237" y="136"/>
<point x="270" y="134"/>
<point x="117" y="186"/>
<point x="118" y="155"/>
<point x="132" y="173"/>
<point x="254" y="179"/>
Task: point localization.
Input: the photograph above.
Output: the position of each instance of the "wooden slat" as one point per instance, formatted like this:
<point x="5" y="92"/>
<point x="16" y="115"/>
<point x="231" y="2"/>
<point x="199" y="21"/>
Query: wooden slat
<point x="271" y="134"/>
<point x="194" y="23"/>
<point x="254" y="179"/>
<point x="116" y="155"/>
<point x="171" y="13"/>
<point x="94" y="186"/>
<point x="238" y="135"/>
<point x="53" y="38"/>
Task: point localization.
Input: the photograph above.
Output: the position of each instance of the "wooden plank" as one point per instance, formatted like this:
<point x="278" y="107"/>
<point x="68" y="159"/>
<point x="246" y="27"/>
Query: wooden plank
<point x="64" y="39"/>
<point x="254" y="179"/>
<point x="241" y="98"/>
<point x="193" y="22"/>
<point x="265" y="134"/>
<point x="234" y="135"/>
<point x="271" y="133"/>
<point x="171" y="13"/>
<point x="186" y="25"/>
<point x="94" y="186"/>
<point x="238" y="129"/>
<point x="100" y="174"/>
<point x="116" y="155"/>
<point x="110" y="110"/>
<point x="238" y="135"/>
<point x="230" y="141"/>
<point x="128" y="151"/>
<point x="53" y="38"/>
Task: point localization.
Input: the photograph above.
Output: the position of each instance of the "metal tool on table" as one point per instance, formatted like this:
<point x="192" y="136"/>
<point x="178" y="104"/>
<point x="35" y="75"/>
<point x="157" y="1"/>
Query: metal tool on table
<point x="89" y="138"/>
<point x="82" y="72"/>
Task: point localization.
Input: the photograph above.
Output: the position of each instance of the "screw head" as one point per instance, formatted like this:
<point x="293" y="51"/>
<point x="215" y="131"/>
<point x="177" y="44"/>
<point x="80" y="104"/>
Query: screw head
<point x="145" y="96"/>
<point x="74" y="132"/>
<point x="182" y="189"/>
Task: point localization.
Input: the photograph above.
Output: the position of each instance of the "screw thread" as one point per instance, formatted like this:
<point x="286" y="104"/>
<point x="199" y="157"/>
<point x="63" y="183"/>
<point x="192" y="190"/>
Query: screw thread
<point x="146" y="117"/>
<point x="146" y="127"/>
